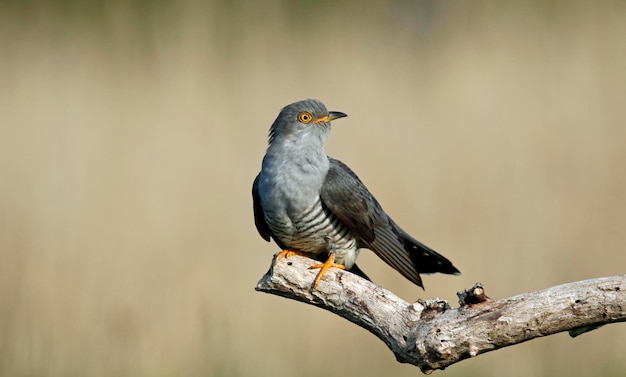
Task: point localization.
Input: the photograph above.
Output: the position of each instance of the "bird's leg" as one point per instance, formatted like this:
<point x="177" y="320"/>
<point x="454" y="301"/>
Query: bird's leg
<point x="289" y="253"/>
<point x="330" y="262"/>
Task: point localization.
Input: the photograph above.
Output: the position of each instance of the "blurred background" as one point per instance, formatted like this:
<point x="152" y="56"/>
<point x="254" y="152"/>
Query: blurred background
<point x="131" y="132"/>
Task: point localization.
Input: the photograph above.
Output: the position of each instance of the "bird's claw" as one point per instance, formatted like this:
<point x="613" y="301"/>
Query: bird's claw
<point x="330" y="262"/>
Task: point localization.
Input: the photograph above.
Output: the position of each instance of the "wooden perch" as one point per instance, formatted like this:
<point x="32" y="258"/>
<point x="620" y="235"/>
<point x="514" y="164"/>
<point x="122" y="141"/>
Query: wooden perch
<point x="432" y="335"/>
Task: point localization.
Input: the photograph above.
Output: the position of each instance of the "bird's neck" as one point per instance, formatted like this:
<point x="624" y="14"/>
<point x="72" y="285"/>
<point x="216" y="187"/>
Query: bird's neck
<point x="297" y="157"/>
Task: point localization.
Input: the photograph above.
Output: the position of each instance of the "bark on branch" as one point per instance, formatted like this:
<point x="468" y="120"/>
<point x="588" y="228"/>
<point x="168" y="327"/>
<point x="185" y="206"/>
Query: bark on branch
<point x="432" y="335"/>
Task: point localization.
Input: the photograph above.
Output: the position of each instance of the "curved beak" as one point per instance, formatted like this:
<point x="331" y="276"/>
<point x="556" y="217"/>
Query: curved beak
<point x="332" y="115"/>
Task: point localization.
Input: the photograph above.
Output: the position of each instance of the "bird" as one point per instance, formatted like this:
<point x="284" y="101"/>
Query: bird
<point x="314" y="205"/>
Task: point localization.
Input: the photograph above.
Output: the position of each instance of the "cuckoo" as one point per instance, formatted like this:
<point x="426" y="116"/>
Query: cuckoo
<point x="314" y="205"/>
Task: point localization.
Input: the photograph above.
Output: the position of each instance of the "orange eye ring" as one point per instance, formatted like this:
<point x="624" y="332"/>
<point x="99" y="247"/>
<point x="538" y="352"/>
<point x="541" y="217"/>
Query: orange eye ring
<point x="305" y="117"/>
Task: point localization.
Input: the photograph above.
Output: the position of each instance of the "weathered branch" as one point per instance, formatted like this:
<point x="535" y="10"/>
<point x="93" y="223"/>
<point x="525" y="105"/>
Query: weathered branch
<point x="432" y="335"/>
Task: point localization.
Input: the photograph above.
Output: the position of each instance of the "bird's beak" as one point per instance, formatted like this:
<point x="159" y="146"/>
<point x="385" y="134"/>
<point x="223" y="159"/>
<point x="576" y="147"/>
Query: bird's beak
<point x="332" y="115"/>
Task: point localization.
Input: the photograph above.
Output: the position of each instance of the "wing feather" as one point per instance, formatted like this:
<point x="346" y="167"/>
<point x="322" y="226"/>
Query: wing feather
<point x="348" y="199"/>
<point x="259" y="219"/>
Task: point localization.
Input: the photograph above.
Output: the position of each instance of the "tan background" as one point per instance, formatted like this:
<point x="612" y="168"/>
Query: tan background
<point x="130" y="134"/>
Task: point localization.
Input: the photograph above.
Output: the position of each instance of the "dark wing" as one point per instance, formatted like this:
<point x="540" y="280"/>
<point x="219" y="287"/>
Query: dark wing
<point x="348" y="199"/>
<point x="259" y="218"/>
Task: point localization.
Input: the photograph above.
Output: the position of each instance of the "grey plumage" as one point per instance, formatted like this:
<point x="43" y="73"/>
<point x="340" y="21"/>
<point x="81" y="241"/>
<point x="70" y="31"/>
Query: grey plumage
<point x="307" y="201"/>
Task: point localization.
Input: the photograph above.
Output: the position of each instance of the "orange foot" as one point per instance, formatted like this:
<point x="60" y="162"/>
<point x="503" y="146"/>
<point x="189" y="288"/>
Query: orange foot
<point x="289" y="253"/>
<point x="330" y="262"/>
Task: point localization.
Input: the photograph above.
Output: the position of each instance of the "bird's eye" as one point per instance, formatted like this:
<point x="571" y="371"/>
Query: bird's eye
<point x="305" y="117"/>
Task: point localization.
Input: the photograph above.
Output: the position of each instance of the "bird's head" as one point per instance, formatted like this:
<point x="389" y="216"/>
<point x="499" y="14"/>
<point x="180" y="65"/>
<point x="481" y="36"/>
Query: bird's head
<point x="307" y="119"/>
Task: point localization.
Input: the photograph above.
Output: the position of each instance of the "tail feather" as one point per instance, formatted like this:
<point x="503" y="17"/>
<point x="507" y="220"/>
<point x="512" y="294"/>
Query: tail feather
<point x="425" y="259"/>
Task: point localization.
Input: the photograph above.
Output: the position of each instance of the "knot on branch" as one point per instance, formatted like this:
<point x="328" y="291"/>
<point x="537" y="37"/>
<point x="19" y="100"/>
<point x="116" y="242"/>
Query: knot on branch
<point x="429" y="309"/>
<point x="473" y="296"/>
